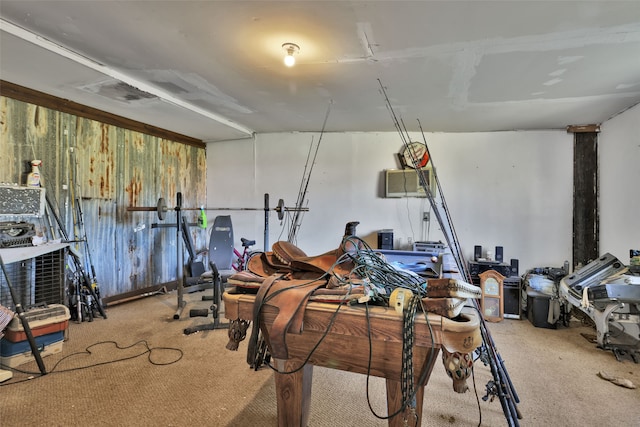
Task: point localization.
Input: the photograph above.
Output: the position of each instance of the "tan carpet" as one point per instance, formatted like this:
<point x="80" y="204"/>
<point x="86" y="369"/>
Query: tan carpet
<point x="554" y="372"/>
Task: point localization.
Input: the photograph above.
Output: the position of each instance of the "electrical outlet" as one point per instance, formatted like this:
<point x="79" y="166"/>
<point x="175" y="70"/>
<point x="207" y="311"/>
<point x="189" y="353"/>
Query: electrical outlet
<point x="425" y="216"/>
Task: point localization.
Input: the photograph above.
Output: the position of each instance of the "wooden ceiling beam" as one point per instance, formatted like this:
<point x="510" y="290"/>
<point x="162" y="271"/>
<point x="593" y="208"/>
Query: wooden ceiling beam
<point x="583" y="128"/>
<point x="24" y="94"/>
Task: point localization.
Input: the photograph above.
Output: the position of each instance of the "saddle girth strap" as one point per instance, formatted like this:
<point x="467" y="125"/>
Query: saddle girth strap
<point x="290" y="297"/>
<point x="253" y="339"/>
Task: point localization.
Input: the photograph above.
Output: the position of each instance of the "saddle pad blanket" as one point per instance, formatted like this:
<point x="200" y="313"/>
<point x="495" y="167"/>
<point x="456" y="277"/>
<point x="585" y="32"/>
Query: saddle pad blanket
<point x="337" y="295"/>
<point x="245" y="279"/>
<point x="443" y="288"/>
<point x="445" y="307"/>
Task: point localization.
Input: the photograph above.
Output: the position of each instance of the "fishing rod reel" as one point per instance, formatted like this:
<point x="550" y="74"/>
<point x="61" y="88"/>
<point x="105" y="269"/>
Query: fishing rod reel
<point x="483" y="354"/>
<point x="492" y="391"/>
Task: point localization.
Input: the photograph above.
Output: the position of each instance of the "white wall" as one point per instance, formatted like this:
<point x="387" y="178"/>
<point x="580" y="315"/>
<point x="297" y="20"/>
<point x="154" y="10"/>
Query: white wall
<point x="506" y="188"/>
<point x="619" y="145"/>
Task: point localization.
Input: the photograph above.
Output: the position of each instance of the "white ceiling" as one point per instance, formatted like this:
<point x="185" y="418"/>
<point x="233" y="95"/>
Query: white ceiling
<point x="213" y="69"/>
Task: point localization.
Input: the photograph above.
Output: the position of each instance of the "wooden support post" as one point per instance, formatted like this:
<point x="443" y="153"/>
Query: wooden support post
<point x="586" y="216"/>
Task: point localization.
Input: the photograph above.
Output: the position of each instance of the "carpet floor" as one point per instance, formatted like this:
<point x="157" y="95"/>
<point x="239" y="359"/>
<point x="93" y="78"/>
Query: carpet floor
<point x="138" y="368"/>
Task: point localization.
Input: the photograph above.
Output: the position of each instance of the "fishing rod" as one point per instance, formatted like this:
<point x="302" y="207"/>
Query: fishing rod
<point x="94" y="280"/>
<point x="504" y="387"/>
<point x="295" y="222"/>
<point x="80" y="231"/>
<point x="304" y="184"/>
<point x="76" y="260"/>
<point x="404" y="136"/>
<point x="501" y="384"/>
<point x="51" y="208"/>
<point x="452" y="239"/>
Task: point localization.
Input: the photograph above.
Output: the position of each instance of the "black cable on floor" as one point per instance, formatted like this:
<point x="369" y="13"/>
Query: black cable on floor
<point x="87" y="351"/>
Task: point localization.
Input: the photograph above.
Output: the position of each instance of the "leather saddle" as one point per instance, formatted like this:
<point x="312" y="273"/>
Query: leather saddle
<point x="291" y="277"/>
<point x="286" y="258"/>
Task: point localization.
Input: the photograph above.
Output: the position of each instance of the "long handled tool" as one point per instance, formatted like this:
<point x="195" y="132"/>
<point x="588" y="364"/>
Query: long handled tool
<point x="24" y="321"/>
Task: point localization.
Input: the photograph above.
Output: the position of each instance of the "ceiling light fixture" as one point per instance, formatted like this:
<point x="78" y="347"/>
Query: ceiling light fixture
<point x="291" y="48"/>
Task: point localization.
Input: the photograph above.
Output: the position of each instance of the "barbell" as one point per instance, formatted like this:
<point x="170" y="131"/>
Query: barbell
<point x="162" y="209"/>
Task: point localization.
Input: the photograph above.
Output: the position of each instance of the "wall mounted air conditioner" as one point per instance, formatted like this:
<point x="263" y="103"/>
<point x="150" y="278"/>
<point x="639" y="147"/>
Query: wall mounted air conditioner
<point x="406" y="183"/>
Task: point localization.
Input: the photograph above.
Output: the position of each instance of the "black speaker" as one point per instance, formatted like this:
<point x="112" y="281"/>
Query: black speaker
<point x="514" y="267"/>
<point x="511" y="293"/>
<point x="499" y="254"/>
<point x="385" y="239"/>
<point x="477" y="252"/>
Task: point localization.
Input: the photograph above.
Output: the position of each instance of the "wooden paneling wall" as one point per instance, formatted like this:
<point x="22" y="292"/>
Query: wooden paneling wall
<point x="107" y="168"/>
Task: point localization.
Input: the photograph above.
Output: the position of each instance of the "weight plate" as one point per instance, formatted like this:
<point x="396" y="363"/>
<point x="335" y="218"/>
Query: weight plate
<point x="161" y="208"/>
<point x="280" y="209"/>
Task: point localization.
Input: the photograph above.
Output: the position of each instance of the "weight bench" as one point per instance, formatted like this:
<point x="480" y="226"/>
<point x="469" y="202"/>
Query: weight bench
<point x="220" y="259"/>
